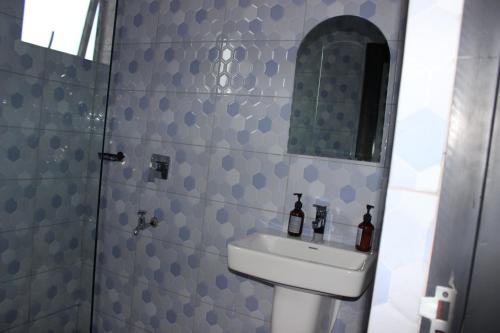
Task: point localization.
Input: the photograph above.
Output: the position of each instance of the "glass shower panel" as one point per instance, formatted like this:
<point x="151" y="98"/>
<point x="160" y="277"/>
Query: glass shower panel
<point x="52" y="113"/>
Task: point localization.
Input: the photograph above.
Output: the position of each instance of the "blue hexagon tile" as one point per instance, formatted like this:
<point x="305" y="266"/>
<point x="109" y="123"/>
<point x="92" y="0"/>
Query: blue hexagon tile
<point x="190" y="20"/>
<point x="116" y="251"/>
<point x="119" y="206"/>
<point x="137" y="21"/>
<point x="54" y="290"/>
<point x="188" y="168"/>
<point x="128" y="112"/>
<point x="16" y="204"/>
<point x="67" y="107"/>
<point x="113" y="295"/>
<point x="220" y="287"/>
<point x="346" y="187"/>
<point x="62" y="154"/>
<point x="265" y="19"/>
<point x="188" y="67"/>
<point x="15" y="254"/>
<point x="225" y="222"/>
<point x="180" y="217"/>
<point x="257" y="68"/>
<point x="251" y="123"/>
<point x="64" y="322"/>
<point x="212" y="319"/>
<point x="63" y="67"/>
<point x="158" y="310"/>
<point x="14" y="303"/>
<point x="167" y="265"/>
<point x="385" y="14"/>
<point x="18" y="145"/>
<point x="55" y="246"/>
<point x="180" y="117"/>
<point x="247" y="178"/>
<point x="20" y="100"/>
<point x="17" y="56"/>
<point x="59" y="201"/>
<point x="132" y="66"/>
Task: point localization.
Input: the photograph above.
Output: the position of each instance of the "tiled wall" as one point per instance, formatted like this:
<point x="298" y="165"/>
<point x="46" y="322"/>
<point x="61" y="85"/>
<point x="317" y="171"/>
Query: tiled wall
<point x="48" y="178"/>
<point x="209" y="83"/>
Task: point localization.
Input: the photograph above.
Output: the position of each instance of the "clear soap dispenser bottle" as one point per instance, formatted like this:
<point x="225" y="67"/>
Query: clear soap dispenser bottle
<point x="296" y="221"/>
<point x="365" y="232"/>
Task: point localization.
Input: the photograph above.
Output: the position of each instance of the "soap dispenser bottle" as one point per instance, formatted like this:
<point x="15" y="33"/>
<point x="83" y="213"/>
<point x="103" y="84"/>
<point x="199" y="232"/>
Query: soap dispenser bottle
<point x="365" y="232"/>
<point x="296" y="221"/>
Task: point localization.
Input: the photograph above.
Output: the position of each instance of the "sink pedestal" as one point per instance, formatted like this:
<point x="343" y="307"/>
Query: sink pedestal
<point x="297" y="311"/>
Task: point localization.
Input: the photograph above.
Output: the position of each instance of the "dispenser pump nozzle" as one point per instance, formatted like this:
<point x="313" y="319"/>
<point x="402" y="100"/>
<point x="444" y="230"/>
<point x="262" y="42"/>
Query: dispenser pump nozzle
<point x="367" y="217"/>
<point x="298" y="204"/>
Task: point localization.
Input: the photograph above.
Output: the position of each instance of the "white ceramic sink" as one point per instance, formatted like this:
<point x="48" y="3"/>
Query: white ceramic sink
<point x="325" y="268"/>
<point x="303" y="273"/>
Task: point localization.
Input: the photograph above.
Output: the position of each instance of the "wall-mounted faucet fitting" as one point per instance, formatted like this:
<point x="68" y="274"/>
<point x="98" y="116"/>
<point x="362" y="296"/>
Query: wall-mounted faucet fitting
<point x="158" y="167"/>
<point x="319" y="222"/>
<point x="142" y="224"/>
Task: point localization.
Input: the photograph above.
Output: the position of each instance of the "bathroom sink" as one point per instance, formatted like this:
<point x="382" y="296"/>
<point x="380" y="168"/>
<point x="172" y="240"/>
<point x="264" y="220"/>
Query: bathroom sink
<point x="327" y="268"/>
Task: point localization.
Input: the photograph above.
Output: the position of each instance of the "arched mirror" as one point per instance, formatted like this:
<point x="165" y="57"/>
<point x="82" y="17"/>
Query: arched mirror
<point x="340" y="91"/>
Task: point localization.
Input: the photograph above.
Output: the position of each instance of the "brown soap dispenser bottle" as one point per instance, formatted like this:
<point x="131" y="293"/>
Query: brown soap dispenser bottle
<point x="365" y="232"/>
<point x="296" y="221"/>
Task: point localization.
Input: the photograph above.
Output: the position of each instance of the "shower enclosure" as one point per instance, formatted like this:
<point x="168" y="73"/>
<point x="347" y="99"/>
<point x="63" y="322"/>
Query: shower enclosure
<point x="54" y="75"/>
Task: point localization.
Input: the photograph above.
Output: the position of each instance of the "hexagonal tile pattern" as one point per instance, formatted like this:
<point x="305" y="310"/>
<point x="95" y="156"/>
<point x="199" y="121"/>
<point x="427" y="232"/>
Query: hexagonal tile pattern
<point x="342" y="185"/>
<point x="14" y="303"/>
<point x="227" y="222"/>
<point x="188" y="67"/>
<point x="218" y="286"/>
<point x="67" y="107"/>
<point x="137" y="21"/>
<point x="183" y="118"/>
<point x="15" y="254"/>
<point x="21" y="98"/>
<point x="116" y="250"/>
<point x="257" y="68"/>
<point x="252" y="123"/>
<point x="26" y="141"/>
<point x="67" y="68"/>
<point x="132" y="66"/>
<point x="166" y="265"/>
<point x="190" y="20"/>
<point x="54" y="290"/>
<point x="265" y="20"/>
<point x="55" y="246"/>
<point x="239" y="184"/>
<point x="188" y="168"/>
<point x="385" y="14"/>
<point x="113" y="295"/>
<point x="180" y="217"/>
<point x="128" y="112"/>
<point x="59" y="201"/>
<point x="64" y="322"/>
<point x="213" y="319"/>
<point x="16" y="204"/>
<point x="158" y="310"/>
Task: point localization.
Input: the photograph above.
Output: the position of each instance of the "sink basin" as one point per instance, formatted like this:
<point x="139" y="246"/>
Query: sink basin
<point x="305" y="276"/>
<point x="328" y="268"/>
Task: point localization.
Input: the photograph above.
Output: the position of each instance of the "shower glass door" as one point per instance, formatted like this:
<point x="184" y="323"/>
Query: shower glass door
<point x="54" y="74"/>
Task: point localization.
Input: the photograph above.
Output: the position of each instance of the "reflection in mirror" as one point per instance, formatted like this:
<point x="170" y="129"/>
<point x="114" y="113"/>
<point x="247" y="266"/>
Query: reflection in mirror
<point x="340" y="90"/>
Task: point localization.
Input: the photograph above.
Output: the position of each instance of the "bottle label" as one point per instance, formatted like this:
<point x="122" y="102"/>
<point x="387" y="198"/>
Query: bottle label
<point x="359" y="237"/>
<point x="294" y="224"/>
